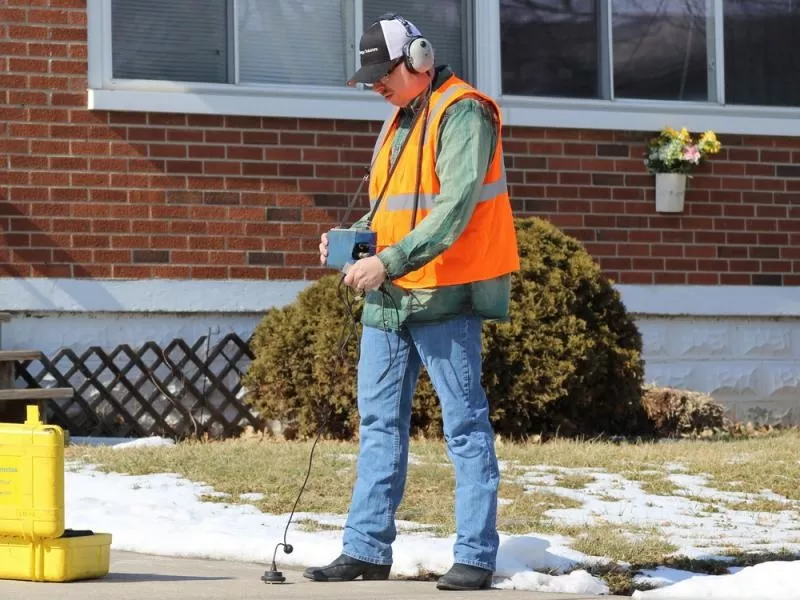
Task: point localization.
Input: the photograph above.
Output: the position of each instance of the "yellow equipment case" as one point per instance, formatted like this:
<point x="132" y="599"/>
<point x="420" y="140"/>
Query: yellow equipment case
<point x="34" y="546"/>
<point x="31" y="478"/>
<point x="77" y="555"/>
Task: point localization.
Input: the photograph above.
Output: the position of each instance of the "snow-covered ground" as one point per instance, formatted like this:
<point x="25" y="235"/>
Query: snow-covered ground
<point x="163" y="515"/>
<point x="695" y="518"/>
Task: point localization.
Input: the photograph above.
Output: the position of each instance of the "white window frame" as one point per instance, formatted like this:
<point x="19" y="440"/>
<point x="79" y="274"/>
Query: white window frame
<point x="274" y="100"/>
<point x="306" y="101"/>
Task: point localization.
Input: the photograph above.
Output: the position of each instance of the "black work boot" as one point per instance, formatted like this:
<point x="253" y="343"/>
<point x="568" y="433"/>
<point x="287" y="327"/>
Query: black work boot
<point x="465" y="577"/>
<point x="346" y="568"/>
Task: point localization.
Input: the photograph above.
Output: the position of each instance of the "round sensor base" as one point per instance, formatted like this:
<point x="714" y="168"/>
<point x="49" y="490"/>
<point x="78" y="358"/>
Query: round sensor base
<point x="273" y="577"/>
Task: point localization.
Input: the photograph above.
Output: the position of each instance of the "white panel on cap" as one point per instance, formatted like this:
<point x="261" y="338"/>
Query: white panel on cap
<point x="396" y="37"/>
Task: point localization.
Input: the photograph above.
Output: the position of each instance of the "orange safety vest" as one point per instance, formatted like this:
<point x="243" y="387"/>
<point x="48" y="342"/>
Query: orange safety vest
<point x="487" y="247"/>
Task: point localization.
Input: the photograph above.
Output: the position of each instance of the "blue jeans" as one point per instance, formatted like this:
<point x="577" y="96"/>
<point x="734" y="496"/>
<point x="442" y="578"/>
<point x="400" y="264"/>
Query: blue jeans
<point x="451" y="353"/>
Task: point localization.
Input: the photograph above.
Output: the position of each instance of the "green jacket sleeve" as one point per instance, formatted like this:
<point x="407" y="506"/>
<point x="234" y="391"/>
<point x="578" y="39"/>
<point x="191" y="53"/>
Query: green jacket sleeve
<point x="466" y="145"/>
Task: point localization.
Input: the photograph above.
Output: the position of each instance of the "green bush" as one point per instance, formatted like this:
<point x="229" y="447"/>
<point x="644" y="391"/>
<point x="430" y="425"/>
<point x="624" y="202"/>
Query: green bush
<point x="298" y="375"/>
<point x="569" y="361"/>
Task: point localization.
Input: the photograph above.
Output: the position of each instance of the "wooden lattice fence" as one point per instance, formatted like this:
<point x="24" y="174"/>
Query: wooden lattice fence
<point x="178" y="391"/>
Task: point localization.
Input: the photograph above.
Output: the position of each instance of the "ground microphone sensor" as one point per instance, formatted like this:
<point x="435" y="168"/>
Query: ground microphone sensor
<point x="273" y="575"/>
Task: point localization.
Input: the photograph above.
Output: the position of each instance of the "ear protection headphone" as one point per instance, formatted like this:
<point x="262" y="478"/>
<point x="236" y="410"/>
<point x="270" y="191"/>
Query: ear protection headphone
<point x="417" y="51"/>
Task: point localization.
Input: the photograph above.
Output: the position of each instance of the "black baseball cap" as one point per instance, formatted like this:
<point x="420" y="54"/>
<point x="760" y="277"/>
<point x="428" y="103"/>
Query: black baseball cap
<point x="381" y="48"/>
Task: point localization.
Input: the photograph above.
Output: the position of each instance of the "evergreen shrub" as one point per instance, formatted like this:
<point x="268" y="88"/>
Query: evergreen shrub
<point x="568" y="362"/>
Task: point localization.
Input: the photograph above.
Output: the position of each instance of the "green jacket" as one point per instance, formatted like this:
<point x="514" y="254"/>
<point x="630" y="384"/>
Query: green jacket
<point x="465" y="149"/>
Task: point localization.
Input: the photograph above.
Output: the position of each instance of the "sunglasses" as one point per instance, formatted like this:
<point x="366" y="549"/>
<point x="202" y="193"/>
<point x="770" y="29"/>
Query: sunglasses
<point x="385" y="78"/>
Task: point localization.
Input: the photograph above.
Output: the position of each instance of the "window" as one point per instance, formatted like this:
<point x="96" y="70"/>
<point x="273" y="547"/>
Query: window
<point x="446" y="23"/>
<point x="550" y="48"/>
<point x="761" y="61"/>
<point x="178" y="40"/>
<point x="600" y="49"/>
<point x="727" y="65"/>
<point x="305" y="42"/>
<point x="287" y="58"/>
<point x="660" y="49"/>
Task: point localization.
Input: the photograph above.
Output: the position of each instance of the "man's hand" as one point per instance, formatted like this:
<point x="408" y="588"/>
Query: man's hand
<point x="323" y="248"/>
<point x="366" y="274"/>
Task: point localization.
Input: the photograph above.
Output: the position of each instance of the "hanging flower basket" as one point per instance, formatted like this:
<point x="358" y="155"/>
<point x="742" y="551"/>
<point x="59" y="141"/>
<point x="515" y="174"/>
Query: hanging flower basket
<point x="672" y="156"/>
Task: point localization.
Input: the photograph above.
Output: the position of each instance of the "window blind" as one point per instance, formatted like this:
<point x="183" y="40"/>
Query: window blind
<point x="175" y="40"/>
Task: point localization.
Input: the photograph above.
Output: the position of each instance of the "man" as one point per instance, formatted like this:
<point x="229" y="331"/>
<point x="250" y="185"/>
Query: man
<point x="446" y="248"/>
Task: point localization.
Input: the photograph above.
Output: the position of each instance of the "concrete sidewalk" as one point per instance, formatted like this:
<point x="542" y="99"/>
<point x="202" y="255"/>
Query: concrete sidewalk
<point x="139" y="576"/>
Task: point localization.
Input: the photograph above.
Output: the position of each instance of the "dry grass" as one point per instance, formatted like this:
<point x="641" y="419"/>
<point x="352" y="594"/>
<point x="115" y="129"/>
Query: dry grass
<point x="314" y="525"/>
<point x="746" y="465"/>
<point x="758" y="505"/>
<point x="272" y="468"/>
<point x="573" y="481"/>
<point x="276" y="469"/>
<point x="652" y="482"/>
<point x="635" y="545"/>
<point x="526" y="511"/>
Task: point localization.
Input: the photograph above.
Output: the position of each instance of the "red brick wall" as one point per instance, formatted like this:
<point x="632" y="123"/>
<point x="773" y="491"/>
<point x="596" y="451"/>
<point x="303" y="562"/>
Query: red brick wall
<point x="140" y="195"/>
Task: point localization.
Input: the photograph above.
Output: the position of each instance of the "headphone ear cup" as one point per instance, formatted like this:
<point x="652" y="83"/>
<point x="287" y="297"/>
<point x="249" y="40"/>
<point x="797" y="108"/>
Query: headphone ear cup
<point x="419" y="55"/>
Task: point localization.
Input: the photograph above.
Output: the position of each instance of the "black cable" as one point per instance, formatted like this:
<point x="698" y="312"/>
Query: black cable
<point x="419" y="155"/>
<point x="386" y="294"/>
<point x="424" y="111"/>
<point x="275" y="576"/>
<point x="355" y="197"/>
<point x="349" y="303"/>
<point x="288" y="548"/>
<point x="396" y="162"/>
<point x="366" y="176"/>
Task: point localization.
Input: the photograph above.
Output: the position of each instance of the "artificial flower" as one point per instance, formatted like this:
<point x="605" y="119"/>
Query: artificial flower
<point x="674" y="151"/>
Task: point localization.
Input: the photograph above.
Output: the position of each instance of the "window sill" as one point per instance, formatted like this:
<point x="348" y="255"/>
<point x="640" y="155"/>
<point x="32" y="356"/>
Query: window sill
<point x="331" y="103"/>
<point x="632" y="115"/>
<point x="293" y="102"/>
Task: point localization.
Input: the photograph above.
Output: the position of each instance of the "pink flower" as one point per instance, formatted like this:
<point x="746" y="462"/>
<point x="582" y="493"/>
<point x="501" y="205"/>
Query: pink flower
<point x="692" y="154"/>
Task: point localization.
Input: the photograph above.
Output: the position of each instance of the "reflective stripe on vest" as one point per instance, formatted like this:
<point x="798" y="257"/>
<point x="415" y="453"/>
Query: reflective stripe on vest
<point x="489" y="191"/>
